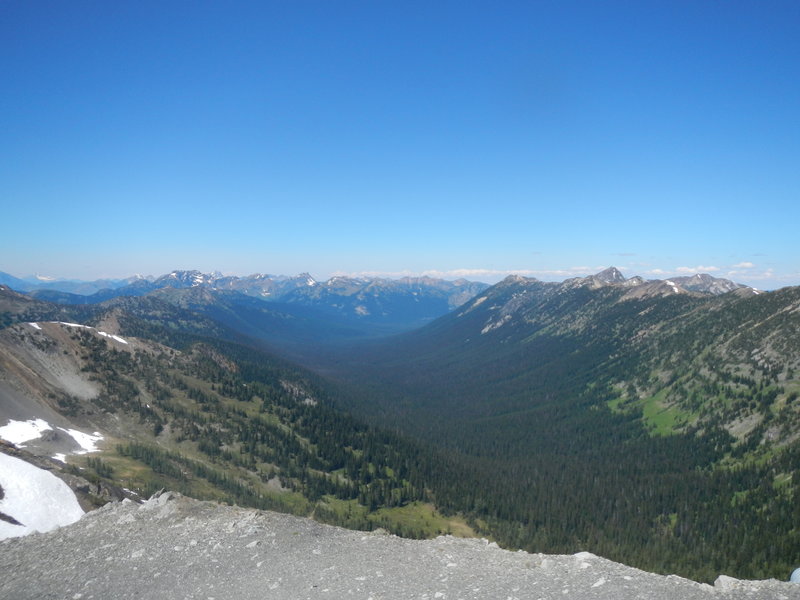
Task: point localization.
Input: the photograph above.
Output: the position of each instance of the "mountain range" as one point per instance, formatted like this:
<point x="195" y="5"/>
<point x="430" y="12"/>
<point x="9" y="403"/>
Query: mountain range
<point x="73" y="286"/>
<point x="653" y="422"/>
<point x="361" y="307"/>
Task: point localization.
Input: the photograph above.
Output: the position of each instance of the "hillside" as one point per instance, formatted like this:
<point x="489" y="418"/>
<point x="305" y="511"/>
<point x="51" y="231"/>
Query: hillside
<point x="212" y="418"/>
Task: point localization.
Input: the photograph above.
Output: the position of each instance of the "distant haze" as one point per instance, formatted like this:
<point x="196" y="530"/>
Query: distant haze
<point x="744" y="275"/>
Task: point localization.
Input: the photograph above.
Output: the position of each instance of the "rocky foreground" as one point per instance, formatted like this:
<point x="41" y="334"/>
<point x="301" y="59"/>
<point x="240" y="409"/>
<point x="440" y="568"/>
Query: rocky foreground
<point x="176" y="547"/>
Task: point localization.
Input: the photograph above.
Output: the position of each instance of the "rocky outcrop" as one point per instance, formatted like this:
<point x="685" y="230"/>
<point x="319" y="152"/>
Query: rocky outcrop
<point x="175" y="547"/>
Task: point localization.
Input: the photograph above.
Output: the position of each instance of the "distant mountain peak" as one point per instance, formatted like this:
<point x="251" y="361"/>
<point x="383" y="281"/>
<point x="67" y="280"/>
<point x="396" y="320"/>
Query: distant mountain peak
<point x="305" y="278"/>
<point x="699" y="283"/>
<point x="610" y="275"/>
<point x="703" y="282"/>
<point x="606" y="277"/>
<point x="515" y="278"/>
<point x="634" y="281"/>
<point x="338" y="279"/>
<point x="186" y="278"/>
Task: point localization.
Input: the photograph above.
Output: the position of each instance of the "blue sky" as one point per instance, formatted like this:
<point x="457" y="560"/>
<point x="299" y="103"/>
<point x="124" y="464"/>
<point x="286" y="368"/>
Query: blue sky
<point x="450" y="138"/>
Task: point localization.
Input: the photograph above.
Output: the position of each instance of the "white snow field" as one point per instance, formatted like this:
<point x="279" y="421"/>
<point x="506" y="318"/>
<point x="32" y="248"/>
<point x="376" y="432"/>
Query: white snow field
<point x="87" y="442"/>
<point x="37" y="499"/>
<point x="19" y="432"/>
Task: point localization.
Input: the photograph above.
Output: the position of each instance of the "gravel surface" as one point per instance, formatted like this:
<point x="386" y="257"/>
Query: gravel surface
<point x="176" y="547"/>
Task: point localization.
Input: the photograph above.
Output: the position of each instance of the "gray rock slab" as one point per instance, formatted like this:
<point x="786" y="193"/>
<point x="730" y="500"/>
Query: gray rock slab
<point x="176" y="547"/>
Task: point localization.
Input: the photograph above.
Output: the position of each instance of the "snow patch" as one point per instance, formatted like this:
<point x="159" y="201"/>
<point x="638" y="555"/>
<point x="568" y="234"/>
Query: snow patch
<point x="103" y="333"/>
<point x="87" y="442"/>
<point x="60" y="456"/>
<point x="35" y="325"/>
<point x="35" y="498"/>
<point x="18" y="432"/>
<point x="112" y="336"/>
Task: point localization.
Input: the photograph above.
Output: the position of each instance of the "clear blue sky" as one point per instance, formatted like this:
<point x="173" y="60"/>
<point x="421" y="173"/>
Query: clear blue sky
<point x="456" y="138"/>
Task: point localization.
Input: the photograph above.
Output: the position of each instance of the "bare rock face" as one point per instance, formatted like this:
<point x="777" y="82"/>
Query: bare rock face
<point x="175" y="547"/>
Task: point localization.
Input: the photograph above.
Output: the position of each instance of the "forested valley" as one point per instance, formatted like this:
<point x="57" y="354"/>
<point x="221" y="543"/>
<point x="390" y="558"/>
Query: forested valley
<point x="660" y="432"/>
<point x="655" y="430"/>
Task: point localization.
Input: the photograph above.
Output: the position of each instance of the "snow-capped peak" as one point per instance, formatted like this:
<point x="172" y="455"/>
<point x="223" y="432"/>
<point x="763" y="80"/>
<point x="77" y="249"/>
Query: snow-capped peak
<point x="307" y="279"/>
